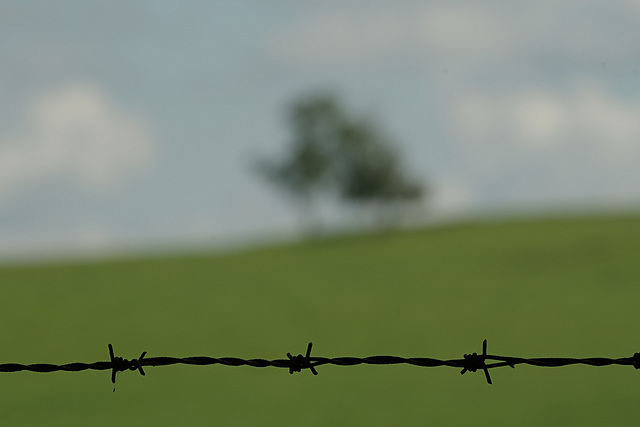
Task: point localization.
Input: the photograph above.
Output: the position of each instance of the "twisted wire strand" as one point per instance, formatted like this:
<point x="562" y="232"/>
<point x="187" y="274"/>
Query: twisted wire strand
<point x="471" y="362"/>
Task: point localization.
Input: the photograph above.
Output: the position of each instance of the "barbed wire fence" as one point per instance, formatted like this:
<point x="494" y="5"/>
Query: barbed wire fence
<point x="469" y="363"/>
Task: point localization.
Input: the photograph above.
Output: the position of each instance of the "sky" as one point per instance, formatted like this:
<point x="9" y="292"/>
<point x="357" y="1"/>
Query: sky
<point x="130" y="124"/>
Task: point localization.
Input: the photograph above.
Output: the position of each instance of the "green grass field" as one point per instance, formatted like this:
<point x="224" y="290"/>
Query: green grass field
<point x="533" y="288"/>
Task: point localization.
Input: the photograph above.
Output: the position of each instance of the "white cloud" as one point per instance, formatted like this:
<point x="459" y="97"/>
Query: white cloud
<point x="539" y="119"/>
<point x="450" y="197"/>
<point x="353" y="33"/>
<point x="461" y="29"/>
<point x="337" y="35"/>
<point x="76" y="131"/>
<point x="358" y="33"/>
<point x="580" y="143"/>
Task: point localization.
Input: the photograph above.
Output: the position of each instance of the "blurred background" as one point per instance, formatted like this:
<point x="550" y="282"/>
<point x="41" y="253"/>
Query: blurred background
<point x="471" y="145"/>
<point x="137" y="124"/>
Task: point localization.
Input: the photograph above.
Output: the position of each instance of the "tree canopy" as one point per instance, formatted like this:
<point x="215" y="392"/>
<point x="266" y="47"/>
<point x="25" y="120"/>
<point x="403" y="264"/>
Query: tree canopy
<point x="333" y="152"/>
<point x="315" y="127"/>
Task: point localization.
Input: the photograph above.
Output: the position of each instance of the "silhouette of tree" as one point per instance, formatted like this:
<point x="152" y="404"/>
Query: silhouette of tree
<point x="369" y="169"/>
<point x="304" y="171"/>
<point x="334" y="153"/>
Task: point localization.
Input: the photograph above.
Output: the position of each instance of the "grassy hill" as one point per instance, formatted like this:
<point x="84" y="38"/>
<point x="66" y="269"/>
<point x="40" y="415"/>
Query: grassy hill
<point x="552" y="287"/>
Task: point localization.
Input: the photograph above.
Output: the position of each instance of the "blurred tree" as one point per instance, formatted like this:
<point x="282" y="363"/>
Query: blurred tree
<point x="304" y="172"/>
<point x="369" y="170"/>
<point x="333" y="152"/>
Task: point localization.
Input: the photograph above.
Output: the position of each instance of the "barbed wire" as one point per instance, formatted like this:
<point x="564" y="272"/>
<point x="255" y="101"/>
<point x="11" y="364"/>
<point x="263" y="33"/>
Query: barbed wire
<point x="469" y="363"/>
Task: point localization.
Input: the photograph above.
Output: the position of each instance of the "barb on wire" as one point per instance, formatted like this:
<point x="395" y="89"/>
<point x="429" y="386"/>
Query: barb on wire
<point x="300" y="362"/>
<point x="475" y="362"/>
<point x="118" y="364"/>
<point x="469" y="363"/>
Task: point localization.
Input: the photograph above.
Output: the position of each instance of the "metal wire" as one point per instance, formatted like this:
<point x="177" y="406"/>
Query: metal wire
<point x="470" y="362"/>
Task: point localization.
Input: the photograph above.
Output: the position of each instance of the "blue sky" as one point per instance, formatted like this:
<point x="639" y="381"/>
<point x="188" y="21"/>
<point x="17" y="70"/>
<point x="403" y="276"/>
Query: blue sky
<point x="135" y="123"/>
